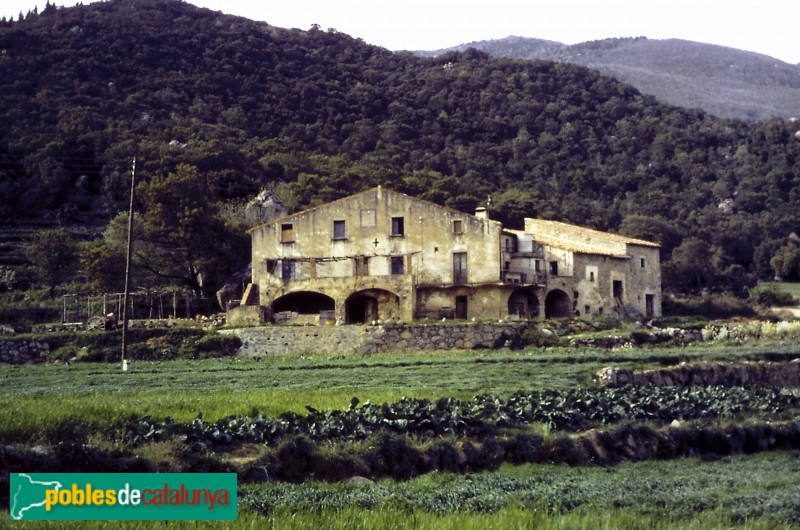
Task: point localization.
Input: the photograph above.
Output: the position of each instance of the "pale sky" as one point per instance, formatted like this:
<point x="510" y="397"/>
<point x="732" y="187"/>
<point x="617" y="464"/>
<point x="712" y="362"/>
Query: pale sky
<point x="771" y="27"/>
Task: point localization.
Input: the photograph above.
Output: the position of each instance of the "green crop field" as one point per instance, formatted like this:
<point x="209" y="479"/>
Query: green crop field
<point x="95" y="405"/>
<point x="754" y="492"/>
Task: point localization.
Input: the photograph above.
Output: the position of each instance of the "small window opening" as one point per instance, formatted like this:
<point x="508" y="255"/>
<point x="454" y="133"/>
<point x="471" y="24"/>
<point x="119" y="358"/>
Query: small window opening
<point x="398" y="226"/>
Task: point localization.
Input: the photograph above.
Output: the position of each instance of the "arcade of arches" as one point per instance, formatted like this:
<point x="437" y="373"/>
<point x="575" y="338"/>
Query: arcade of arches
<point x="369" y="305"/>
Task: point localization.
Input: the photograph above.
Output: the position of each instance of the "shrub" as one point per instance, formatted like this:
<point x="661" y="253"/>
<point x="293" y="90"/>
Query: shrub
<point x="295" y="459"/>
<point x="143" y="345"/>
<point x="394" y="457"/>
<point x="607" y="323"/>
<point x="64" y="353"/>
<point x="769" y="295"/>
<point x="443" y="456"/>
<point x="564" y="450"/>
<point x="683" y="322"/>
<point x="723" y="305"/>
<point x="215" y="345"/>
<point x="523" y="448"/>
<point x="539" y="338"/>
<point x="335" y="468"/>
<point x="69" y="430"/>
<point x="22" y="317"/>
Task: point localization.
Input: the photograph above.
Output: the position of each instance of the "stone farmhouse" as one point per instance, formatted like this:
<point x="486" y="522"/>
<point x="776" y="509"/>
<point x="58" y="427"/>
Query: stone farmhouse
<point x="381" y="255"/>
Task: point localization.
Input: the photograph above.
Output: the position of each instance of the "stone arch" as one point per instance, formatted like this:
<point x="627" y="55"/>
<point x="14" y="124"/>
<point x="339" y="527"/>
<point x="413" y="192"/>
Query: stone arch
<point x="523" y="303"/>
<point x="371" y="304"/>
<point x="304" y="303"/>
<point x="557" y="304"/>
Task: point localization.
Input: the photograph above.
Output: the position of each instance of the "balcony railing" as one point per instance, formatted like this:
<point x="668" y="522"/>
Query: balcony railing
<point x="522" y="277"/>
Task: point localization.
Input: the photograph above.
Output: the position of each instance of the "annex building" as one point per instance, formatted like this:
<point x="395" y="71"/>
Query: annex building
<point x="381" y="255"/>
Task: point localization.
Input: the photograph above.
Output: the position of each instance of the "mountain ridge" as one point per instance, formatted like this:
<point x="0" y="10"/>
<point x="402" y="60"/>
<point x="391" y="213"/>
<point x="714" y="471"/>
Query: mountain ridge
<point x="723" y="81"/>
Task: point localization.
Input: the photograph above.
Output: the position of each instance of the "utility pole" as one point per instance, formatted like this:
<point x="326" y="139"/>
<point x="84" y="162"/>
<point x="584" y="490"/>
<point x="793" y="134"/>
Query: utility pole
<point x="127" y="301"/>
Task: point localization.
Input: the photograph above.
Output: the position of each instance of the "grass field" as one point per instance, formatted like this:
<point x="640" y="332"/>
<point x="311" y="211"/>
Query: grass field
<point x="748" y="491"/>
<point x="101" y="395"/>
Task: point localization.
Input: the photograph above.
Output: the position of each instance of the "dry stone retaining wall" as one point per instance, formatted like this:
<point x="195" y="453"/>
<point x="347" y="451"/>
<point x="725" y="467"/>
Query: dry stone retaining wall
<point x="707" y="374"/>
<point x="641" y="338"/>
<point x="23" y="351"/>
<point x="268" y="340"/>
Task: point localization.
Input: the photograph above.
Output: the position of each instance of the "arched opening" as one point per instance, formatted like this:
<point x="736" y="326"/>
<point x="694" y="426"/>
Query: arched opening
<point x="557" y="304"/>
<point x="523" y="304"/>
<point x="304" y="303"/>
<point x="371" y="304"/>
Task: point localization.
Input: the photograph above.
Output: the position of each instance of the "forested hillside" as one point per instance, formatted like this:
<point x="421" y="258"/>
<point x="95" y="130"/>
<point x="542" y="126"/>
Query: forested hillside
<point x="316" y="115"/>
<point x="723" y="81"/>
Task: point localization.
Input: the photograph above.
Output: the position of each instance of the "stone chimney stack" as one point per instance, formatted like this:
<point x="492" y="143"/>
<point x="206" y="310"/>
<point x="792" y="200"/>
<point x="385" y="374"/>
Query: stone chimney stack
<point x="481" y="213"/>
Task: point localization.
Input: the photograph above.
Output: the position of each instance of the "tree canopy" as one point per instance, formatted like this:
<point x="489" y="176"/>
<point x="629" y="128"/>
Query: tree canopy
<point x="180" y="239"/>
<point x="316" y="115"/>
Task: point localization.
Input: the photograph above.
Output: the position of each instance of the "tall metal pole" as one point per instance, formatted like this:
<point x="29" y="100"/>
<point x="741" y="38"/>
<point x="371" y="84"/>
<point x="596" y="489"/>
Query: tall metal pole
<point x="127" y="303"/>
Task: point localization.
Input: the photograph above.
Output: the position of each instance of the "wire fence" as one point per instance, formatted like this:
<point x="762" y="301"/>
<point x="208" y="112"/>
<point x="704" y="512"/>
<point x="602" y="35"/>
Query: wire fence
<point x="144" y="305"/>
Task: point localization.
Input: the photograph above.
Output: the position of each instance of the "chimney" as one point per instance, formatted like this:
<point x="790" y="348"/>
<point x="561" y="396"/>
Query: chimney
<point x="481" y="213"/>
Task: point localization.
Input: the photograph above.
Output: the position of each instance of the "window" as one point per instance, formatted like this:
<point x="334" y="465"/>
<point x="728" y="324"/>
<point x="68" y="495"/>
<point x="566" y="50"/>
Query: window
<point x="537" y="265"/>
<point x="397" y="264"/>
<point x="287" y="233"/>
<point x="398" y="228"/>
<point x="554" y="268"/>
<point x="591" y="276"/>
<point x="362" y="266"/>
<point x="339" y="230"/>
<point x="288" y="269"/>
<point x="458" y="226"/>
<point x="506" y="265"/>
<point x="459" y="267"/>
<point x="642" y="262"/>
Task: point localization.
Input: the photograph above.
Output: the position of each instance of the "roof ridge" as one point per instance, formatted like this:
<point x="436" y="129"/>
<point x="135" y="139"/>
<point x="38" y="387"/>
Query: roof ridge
<point x="609" y="236"/>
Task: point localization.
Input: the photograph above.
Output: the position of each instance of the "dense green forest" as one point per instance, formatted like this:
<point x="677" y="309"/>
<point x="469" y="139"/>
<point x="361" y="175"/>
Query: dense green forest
<point x="232" y="106"/>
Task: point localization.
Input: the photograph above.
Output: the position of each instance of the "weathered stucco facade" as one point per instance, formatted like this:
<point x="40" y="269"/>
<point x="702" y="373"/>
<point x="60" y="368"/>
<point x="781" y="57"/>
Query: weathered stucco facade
<point x="381" y="255"/>
<point x="592" y="273"/>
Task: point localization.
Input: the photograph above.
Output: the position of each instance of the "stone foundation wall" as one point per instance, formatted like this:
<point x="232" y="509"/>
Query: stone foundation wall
<point x="246" y="315"/>
<point x="707" y="374"/>
<point x="23" y="351"/>
<point x="268" y="340"/>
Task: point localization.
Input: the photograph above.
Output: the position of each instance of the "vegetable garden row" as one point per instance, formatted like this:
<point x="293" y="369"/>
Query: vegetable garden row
<point x="572" y="411"/>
